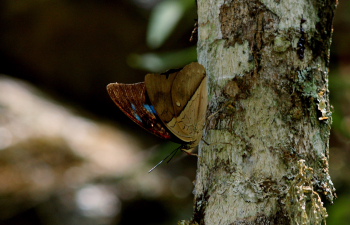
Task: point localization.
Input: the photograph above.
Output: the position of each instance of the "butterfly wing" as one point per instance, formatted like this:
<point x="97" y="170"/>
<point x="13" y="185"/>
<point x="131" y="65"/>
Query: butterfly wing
<point x="190" y="122"/>
<point x="190" y="100"/>
<point x="185" y="85"/>
<point x="181" y="100"/>
<point x="132" y="99"/>
<point x="159" y="91"/>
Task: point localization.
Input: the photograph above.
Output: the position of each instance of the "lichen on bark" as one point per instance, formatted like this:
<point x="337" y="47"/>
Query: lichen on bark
<point x="303" y="200"/>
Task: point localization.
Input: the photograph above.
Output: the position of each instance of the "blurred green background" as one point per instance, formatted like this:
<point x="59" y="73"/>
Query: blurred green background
<point x="68" y="155"/>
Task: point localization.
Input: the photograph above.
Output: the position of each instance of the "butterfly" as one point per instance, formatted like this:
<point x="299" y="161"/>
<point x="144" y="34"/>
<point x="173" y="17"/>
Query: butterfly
<point x="170" y="105"/>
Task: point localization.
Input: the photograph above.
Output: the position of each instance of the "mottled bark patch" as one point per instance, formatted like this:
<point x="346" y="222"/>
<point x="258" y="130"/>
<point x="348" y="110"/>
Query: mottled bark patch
<point x="246" y="20"/>
<point x="235" y="90"/>
<point x="238" y="88"/>
<point x="249" y="21"/>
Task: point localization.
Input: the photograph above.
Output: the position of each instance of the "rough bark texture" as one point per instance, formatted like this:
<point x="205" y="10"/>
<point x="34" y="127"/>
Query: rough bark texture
<point x="269" y="114"/>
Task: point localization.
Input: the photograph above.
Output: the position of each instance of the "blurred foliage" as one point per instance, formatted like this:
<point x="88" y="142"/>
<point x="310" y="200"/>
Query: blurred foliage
<point x="164" y="20"/>
<point x="340" y="94"/>
<point x="339" y="213"/>
<point x="72" y="50"/>
<point x="159" y="62"/>
<point x="339" y="86"/>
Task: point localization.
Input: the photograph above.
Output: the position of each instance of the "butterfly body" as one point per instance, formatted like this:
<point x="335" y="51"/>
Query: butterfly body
<point x="171" y="105"/>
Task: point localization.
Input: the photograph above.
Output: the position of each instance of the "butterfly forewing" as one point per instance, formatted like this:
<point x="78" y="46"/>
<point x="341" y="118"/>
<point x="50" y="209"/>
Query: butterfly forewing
<point x="132" y="99"/>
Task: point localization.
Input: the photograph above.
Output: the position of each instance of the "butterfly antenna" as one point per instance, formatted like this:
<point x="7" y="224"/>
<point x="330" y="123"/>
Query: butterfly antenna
<point x="156" y="166"/>
<point x="171" y="155"/>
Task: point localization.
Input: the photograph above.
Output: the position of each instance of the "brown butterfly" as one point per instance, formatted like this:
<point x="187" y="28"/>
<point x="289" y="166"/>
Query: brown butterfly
<point x="171" y="105"/>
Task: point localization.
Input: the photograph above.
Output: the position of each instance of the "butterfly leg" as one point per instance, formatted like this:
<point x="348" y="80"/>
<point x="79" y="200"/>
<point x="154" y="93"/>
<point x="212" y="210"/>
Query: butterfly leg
<point x="189" y="152"/>
<point x="205" y="142"/>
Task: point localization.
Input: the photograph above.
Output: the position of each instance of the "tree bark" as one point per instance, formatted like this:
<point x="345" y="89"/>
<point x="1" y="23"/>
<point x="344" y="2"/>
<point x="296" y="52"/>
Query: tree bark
<point x="269" y="116"/>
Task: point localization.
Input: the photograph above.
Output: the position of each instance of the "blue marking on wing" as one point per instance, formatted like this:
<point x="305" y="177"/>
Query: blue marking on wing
<point x="153" y="109"/>
<point x="138" y="117"/>
<point x="150" y="108"/>
<point x="133" y="107"/>
<point x="134" y="112"/>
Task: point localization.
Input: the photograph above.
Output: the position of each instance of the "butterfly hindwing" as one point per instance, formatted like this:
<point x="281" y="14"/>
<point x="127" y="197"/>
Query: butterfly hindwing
<point x="185" y="85"/>
<point x="190" y="122"/>
<point x="132" y="99"/>
<point x="180" y="98"/>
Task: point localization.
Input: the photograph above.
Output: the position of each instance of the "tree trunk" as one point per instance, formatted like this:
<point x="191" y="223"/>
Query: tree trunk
<point x="269" y="117"/>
